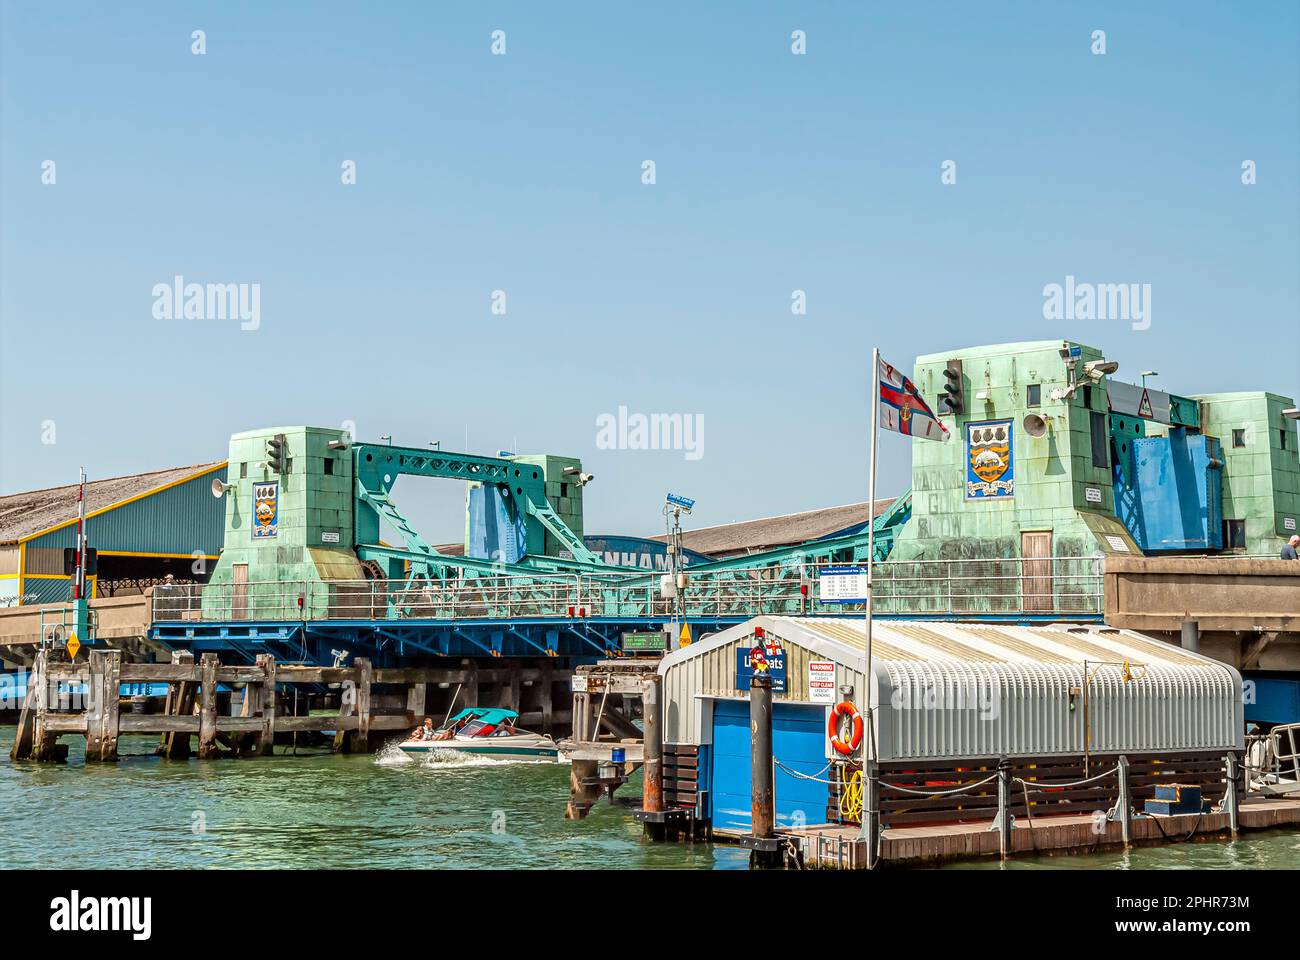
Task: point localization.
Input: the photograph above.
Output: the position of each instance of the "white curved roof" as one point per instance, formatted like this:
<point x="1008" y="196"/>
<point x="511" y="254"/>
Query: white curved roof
<point x="962" y="689"/>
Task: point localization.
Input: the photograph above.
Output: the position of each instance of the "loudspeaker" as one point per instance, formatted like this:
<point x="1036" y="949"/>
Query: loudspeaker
<point x="1035" y="425"/>
<point x="220" y="489"/>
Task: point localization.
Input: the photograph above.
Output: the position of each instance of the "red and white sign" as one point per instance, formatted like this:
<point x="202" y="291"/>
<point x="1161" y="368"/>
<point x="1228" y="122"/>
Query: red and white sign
<point x="821" y="681"/>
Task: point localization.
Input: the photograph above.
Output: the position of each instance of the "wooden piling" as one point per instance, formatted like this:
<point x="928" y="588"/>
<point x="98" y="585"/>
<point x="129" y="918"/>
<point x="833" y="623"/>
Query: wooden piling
<point x="265" y="742"/>
<point x="102" y="706"/>
<point x="180" y="703"/>
<point x="208" y="747"/>
<point x="361" y="738"/>
<point x="24" y="735"/>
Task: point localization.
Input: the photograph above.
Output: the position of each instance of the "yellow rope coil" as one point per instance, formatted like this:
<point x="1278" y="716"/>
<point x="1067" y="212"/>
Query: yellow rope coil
<point x="851" y="797"/>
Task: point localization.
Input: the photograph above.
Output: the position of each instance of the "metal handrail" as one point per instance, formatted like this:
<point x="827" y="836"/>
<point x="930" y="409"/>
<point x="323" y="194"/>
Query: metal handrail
<point x="1041" y="585"/>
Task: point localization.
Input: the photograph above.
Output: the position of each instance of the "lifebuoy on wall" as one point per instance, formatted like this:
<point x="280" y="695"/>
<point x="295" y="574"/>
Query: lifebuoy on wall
<point x="845" y="709"/>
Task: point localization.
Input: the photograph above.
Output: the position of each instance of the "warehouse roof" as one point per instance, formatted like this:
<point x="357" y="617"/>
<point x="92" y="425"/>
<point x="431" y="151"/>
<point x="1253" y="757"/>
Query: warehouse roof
<point x="23" y="515"/>
<point x="751" y="536"/>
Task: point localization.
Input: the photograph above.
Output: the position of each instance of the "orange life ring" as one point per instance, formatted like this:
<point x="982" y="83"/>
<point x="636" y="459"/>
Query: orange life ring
<point x="844" y="709"/>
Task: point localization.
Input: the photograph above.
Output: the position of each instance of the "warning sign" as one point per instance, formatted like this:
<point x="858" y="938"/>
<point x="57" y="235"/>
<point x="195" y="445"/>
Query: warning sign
<point x="821" y="681"/>
<point x="73" y="646"/>
<point x="1144" y="406"/>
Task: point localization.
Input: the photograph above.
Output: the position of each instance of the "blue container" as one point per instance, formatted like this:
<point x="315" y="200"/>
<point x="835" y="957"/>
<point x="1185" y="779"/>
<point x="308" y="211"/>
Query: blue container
<point x="618" y="755"/>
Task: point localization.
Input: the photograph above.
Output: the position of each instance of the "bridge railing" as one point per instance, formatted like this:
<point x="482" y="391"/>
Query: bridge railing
<point x="976" y="587"/>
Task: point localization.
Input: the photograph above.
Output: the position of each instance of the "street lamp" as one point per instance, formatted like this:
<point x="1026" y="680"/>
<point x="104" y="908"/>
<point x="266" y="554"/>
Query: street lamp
<point x="1148" y="373"/>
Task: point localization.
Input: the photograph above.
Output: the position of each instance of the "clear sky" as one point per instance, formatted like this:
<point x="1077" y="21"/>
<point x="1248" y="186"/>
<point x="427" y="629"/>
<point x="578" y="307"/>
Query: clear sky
<point x="522" y="172"/>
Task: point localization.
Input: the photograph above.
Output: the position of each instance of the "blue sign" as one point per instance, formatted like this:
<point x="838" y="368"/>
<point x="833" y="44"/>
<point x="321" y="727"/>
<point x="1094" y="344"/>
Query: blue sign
<point x="990" y="460"/>
<point x="768" y="657"/>
<point x="686" y="503"/>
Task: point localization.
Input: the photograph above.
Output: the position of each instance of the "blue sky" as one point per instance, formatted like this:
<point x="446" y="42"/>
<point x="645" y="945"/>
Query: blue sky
<point x="522" y="173"/>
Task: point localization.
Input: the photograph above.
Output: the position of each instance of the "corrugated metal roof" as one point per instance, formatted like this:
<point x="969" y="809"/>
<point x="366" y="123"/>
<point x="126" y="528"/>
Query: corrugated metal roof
<point x="959" y="690"/>
<point x="997" y="643"/>
<point x="750" y="536"/>
<point x="23" y="515"/>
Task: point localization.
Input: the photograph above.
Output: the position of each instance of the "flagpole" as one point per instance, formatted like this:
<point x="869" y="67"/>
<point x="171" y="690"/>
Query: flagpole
<point x="868" y="742"/>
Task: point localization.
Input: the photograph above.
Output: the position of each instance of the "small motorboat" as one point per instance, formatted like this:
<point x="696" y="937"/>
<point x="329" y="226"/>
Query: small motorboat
<point x="484" y="732"/>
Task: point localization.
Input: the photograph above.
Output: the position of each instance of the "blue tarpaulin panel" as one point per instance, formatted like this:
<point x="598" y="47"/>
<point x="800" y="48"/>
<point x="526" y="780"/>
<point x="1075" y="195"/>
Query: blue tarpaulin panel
<point x="1168" y="491"/>
<point x="799" y="743"/>
<point x="495" y="532"/>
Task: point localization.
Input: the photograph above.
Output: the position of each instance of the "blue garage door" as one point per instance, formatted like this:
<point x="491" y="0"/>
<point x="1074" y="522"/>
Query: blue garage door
<point x="798" y="740"/>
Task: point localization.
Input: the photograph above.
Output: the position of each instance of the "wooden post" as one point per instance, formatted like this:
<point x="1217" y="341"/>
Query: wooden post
<point x="180" y="703"/>
<point x="208" y="707"/>
<point x="266" y="700"/>
<point x="361" y="739"/>
<point x="514" y="703"/>
<point x="583" y="790"/>
<point x="45" y="745"/>
<point x="415" y="699"/>
<point x="23" y="736"/>
<point x="469" y="693"/>
<point x="102" y="707"/>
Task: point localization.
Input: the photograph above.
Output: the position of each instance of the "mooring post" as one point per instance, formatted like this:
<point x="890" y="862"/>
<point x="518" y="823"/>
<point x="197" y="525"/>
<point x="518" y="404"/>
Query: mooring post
<point x="1004" y="808"/>
<point x="1125" y="802"/>
<point x="361" y="739"/>
<point x="1191" y="636"/>
<point x="208" y="707"/>
<point x="762" y="808"/>
<point x="652" y="789"/>
<point x="266" y="701"/>
<point x="1230" y="794"/>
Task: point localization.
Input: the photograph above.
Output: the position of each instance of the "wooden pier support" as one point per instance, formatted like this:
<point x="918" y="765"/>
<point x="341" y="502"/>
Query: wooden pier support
<point x="251" y="731"/>
<point x="175" y="744"/>
<point x="102" y="706"/>
<point x="208" y="707"/>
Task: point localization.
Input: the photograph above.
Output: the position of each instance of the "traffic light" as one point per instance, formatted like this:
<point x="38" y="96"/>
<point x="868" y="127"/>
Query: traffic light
<point x="277" y="453"/>
<point x="952" y="400"/>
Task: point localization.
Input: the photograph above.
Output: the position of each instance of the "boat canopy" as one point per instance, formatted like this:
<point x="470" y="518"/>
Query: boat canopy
<point x="486" y="714"/>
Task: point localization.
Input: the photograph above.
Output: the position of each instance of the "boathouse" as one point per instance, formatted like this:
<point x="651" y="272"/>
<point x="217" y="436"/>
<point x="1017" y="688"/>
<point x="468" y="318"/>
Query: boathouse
<point x="1053" y="701"/>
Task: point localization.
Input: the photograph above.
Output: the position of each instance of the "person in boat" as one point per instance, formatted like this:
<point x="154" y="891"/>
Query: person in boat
<point x="452" y="730"/>
<point x="424" y="731"/>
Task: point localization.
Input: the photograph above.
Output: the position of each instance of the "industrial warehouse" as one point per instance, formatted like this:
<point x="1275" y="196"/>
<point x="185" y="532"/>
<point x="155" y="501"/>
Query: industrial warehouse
<point x="1078" y="606"/>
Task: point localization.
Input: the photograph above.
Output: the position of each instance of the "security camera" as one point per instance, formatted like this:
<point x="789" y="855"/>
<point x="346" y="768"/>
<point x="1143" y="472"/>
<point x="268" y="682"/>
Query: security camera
<point x="1094" y="370"/>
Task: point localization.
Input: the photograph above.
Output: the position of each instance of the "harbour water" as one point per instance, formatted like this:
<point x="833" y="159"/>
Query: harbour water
<point x="318" y="810"/>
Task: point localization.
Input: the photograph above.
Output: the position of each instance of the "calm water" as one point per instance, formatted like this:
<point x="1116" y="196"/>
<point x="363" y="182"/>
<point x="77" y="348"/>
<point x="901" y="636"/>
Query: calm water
<point x="385" y="811"/>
